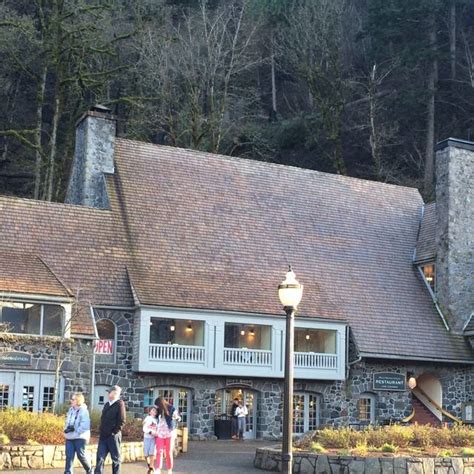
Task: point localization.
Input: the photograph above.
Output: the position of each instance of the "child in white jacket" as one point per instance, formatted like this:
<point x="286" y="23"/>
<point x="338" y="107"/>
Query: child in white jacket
<point x="150" y="424"/>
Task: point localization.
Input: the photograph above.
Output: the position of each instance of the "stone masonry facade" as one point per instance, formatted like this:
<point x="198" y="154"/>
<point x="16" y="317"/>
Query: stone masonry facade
<point x="338" y="400"/>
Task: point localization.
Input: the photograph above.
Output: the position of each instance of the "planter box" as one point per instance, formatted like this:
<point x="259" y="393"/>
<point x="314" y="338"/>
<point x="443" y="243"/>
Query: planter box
<point x="269" y="459"/>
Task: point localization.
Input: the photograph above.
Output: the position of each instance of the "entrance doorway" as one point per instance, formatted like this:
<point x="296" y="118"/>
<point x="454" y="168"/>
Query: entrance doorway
<point x="28" y="390"/>
<point x="224" y="400"/>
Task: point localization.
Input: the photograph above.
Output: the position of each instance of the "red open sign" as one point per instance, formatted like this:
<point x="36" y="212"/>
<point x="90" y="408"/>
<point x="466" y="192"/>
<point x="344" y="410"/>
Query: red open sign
<point x="104" y="346"/>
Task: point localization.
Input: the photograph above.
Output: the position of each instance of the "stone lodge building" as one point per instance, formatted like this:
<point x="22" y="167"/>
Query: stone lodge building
<point x="161" y="270"/>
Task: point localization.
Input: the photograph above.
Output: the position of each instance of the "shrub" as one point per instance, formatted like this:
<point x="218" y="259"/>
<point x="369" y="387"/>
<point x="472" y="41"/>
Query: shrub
<point x="360" y="450"/>
<point x="389" y="448"/>
<point x="423" y="435"/>
<point x="318" y="448"/>
<point x="4" y="439"/>
<point x="467" y="452"/>
<point x="23" y="426"/>
<point x="133" y="429"/>
<point x="462" y="435"/>
<point x="445" y="453"/>
<point x="340" y="438"/>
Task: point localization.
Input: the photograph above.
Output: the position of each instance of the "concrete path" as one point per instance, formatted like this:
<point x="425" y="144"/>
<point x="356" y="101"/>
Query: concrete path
<point x="216" y="457"/>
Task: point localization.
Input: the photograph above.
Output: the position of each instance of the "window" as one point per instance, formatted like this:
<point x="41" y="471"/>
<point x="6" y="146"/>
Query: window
<point x="28" y="397"/>
<point x="29" y="318"/>
<point x="305" y="412"/>
<point x="176" y="331"/>
<point x="367" y="408"/>
<point x="321" y="341"/>
<point x="247" y="336"/>
<point x="105" y="346"/>
<point x="48" y="398"/>
<point x="429" y="274"/>
<point x="4" y="396"/>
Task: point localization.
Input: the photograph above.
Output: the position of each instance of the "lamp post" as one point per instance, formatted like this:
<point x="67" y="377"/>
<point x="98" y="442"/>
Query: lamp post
<point x="290" y="293"/>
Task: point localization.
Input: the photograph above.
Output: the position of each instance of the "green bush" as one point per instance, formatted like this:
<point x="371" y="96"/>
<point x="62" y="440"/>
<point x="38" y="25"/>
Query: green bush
<point x="389" y="448"/>
<point x="317" y="448"/>
<point x="467" y="452"/>
<point x="4" y="439"/>
<point x="445" y="453"/>
<point x="23" y="426"/>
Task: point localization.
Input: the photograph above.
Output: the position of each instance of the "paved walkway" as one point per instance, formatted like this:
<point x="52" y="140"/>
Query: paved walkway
<point x="216" y="457"/>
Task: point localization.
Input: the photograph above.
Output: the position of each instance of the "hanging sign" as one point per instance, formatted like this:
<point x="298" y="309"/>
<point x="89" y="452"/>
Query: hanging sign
<point x="389" y="381"/>
<point x="104" y="346"/>
<point x="15" y="358"/>
<point x="239" y="383"/>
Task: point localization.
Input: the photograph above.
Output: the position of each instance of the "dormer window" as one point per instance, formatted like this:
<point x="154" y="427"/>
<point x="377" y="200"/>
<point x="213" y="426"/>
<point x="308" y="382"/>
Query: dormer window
<point x="429" y="274"/>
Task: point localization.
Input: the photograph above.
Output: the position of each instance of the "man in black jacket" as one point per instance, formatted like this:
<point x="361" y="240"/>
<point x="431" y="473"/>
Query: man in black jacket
<point x="111" y="424"/>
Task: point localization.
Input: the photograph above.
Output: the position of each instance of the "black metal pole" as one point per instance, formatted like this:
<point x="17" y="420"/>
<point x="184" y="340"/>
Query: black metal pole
<point x="287" y="455"/>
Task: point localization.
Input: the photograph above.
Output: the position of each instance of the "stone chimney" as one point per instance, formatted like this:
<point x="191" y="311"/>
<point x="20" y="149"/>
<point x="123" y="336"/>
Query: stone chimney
<point x="455" y="231"/>
<point x="93" y="156"/>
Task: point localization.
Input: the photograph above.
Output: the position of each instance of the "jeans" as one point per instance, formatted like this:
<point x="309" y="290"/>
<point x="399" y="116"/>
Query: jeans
<point x="241" y="422"/>
<point x="73" y="447"/>
<point x="235" y="426"/>
<point x="109" y="445"/>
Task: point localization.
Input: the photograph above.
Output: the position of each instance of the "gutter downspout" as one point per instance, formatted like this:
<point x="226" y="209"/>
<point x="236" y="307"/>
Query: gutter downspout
<point x="95" y="338"/>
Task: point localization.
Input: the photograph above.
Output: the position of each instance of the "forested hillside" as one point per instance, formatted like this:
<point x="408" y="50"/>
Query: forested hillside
<point x="358" y="87"/>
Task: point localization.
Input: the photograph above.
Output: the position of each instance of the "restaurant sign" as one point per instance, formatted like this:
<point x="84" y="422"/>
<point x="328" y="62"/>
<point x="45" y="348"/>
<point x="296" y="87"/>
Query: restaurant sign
<point x="15" y="358"/>
<point x="389" y="381"/>
<point x="104" y="346"/>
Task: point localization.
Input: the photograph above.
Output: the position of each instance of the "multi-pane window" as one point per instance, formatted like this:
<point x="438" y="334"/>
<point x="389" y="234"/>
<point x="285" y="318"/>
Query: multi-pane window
<point x="48" y="398"/>
<point x="429" y="273"/>
<point x="176" y="331"/>
<point x="366" y="407"/>
<point x="28" y="397"/>
<point x="32" y="318"/>
<point x="4" y="396"/>
<point x="305" y="412"/>
<point x="178" y="397"/>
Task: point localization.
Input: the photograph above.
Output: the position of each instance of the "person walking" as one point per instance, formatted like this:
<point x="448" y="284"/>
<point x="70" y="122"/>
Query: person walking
<point x="234" y="426"/>
<point x="150" y="424"/>
<point x="111" y="424"/>
<point x="77" y="432"/>
<point x="168" y="417"/>
<point x="241" y="412"/>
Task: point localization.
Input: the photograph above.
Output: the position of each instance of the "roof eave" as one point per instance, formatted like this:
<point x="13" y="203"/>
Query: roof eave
<point x="373" y="355"/>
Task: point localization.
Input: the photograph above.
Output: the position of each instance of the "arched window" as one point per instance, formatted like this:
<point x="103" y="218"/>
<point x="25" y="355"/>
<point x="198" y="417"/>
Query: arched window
<point x="105" y="346"/>
<point x="366" y="407"/>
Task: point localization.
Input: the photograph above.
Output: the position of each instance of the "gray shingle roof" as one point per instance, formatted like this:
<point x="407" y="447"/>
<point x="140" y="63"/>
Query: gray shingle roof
<point x="217" y="232"/>
<point x="426" y="244"/>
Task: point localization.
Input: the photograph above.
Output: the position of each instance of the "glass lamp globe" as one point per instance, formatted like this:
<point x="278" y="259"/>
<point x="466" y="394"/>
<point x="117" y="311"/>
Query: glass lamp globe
<point x="290" y="291"/>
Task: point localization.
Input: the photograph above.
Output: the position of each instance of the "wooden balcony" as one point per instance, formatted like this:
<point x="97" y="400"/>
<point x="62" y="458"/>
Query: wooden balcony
<point x="177" y="353"/>
<point x="313" y="360"/>
<point x="246" y="357"/>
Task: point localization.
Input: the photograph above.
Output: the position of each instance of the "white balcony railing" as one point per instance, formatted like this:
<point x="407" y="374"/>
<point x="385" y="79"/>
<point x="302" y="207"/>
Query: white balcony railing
<point x="177" y="353"/>
<point x="253" y="357"/>
<point x="315" y="360"/>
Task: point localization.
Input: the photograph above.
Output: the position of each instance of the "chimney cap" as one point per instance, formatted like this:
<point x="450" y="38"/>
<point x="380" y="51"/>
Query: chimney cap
<point x="456" y="142"/>
<point x="100" y="108"/>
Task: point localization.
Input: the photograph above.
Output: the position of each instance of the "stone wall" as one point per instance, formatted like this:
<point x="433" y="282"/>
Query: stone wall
<point x="76" y="369"/>
<point x="338" y="399"/>
<point x="52" y="456"/>
<point x="120" y="371"/>
<point x="269" y="459"/>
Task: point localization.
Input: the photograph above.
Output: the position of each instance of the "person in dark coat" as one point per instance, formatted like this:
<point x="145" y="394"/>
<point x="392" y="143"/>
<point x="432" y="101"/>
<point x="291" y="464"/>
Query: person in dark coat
<point x="111" y="424"/>
<point x="235" y="428"/>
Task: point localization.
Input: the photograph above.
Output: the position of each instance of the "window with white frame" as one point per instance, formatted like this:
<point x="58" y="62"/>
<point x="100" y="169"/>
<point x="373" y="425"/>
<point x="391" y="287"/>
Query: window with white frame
<point x="321" y="341"/>
<point x="366" y="407"/>
<point x="32" y="318"/>
<point x="248" y="336"/>
<point x="4" y="395"/>
<point x="306" y="407"/>
<point x="177" y="396"/>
